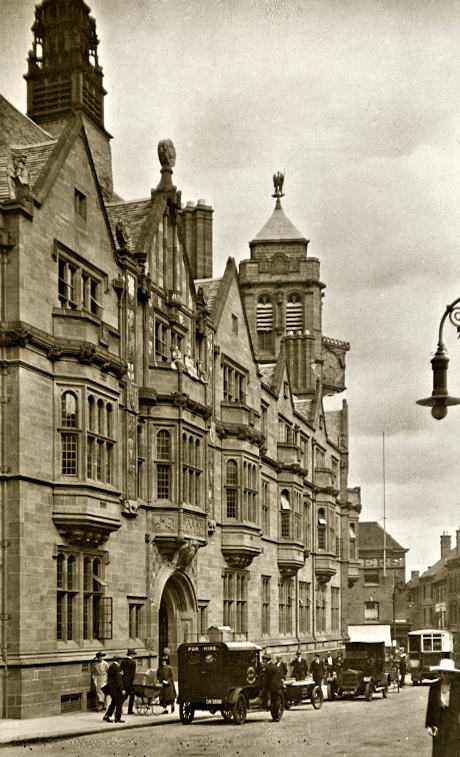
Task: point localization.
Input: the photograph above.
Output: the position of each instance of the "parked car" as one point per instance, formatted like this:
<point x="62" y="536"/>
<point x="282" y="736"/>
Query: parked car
<point x="222" y="676"/>
<point x="363" y="672"/>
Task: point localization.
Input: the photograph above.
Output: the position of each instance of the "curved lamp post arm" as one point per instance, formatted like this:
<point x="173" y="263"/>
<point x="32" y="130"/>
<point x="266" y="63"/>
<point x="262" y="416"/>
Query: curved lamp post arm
<point x="440" y="399"/>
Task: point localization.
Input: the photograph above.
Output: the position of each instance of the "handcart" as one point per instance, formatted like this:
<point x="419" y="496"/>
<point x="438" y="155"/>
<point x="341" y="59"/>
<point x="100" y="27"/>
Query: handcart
<point x="306" y="690"/>
<point x="147" y="698"/>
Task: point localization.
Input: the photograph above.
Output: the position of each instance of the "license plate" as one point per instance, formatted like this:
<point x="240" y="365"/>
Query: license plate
<point x="214" y="701"/>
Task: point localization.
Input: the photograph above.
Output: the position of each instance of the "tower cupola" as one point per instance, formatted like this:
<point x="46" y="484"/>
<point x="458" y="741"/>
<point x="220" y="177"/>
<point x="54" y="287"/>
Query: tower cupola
<point x="63" y="69"/>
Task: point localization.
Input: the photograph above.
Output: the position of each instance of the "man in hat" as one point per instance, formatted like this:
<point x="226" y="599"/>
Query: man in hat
<point x="443" y="710"/>
<point x="299" y="667"/>
<point x="272" y="686"/>
<point x="128" y="671"/>
<point x="98" y="670"/>
<point x="116" y="691"/>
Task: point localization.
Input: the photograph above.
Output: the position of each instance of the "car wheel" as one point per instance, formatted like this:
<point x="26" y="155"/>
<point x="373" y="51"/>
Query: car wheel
<point x="317" y="698"/>
<point x="240" y="710"/>
<point x="186" y="712"/>
<point x="226" y="712"/>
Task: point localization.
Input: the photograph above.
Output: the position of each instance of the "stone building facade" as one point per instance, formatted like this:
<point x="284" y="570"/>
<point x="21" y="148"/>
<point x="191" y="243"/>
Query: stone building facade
<point x="433" y="596"/>
<point x="379" y="596"/>
<point x="167" y="463"/>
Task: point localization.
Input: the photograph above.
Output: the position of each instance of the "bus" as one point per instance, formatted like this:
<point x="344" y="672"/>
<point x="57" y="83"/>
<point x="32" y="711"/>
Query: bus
<point x="426" y="649"/>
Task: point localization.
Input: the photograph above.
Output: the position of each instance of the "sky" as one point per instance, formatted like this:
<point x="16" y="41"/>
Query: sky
<point x="357" y="102"/>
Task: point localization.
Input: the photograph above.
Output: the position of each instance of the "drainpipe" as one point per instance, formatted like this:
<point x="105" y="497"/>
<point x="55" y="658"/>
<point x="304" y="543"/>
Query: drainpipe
<point x="6" y="244"/>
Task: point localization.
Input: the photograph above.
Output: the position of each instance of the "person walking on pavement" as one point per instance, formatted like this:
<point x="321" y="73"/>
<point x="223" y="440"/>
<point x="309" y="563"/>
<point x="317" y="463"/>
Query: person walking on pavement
<point x="443" y="710"/>
<point x="98" y="670"/>
<point x="299" y="667"/>
<point x="272" y="684"/>
<point x="402" y="670"/>
<point x="165" y="676"/>
<point x="116" y="691"/>
<point x="128" y="671"/>
<point x="317" y="670"/>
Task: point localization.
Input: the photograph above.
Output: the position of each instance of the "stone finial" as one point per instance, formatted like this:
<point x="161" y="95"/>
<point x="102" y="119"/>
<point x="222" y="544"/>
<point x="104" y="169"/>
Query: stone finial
<point x="167" y="154"/>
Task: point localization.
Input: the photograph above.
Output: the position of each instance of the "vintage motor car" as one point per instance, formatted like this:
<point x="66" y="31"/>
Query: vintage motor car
<point x="222" y="676"/>
<point x="297" y="692"/>
<point x="363" y="671"/>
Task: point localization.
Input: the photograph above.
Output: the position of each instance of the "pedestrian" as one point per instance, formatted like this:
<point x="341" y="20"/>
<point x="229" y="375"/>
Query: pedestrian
<point x="281" y="665"/>
<point x="272" y="685"/>
<point x="114" y="687"/>
<point x="98" y="671"/>
<point x="317" y="670"/>
<point x="299" y="667"/>
<point x="128" y="671"/>
<point x="443" y="710"/>
<point x="165" y="676"/>
<point x="402" y="670"/>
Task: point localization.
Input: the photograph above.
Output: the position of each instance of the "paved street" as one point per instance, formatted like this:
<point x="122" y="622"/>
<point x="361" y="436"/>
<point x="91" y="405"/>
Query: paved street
<point x="356" y="728"/>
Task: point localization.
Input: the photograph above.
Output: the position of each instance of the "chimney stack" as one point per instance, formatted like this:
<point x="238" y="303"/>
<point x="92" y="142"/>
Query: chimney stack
<point x="414" y="574"/>
<point x="446" y="545"/>
<point x="458" y="541"/>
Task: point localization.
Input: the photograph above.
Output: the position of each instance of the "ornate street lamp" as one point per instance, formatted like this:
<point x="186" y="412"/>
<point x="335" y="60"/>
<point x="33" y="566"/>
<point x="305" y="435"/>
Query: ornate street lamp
<point x="440" y="400"/>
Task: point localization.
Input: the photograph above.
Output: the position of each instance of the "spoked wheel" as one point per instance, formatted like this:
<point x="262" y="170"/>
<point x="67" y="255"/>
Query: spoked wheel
<point x="186" y="712"/>
<point x="226" y="712"/>
<point x="317" y="697"/>
<point x="240" y="710"/>
<point x="368" y="691"/>
<point x="277" y="708"/>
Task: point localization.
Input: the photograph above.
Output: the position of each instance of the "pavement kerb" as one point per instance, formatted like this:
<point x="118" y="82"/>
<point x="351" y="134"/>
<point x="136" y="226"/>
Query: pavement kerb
<point x="140" y="721"/>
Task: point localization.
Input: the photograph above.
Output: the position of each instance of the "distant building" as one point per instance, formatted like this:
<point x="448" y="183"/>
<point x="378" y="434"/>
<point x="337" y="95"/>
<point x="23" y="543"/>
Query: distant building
<point x="376" y="597"/>
<point x="433" y="596"/>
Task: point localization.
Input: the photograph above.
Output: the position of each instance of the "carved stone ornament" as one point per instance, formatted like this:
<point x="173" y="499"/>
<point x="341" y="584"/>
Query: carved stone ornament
<point x="167" y="153"/>
<point x="123" y="234"/>
<point x="18" y="177"/>
<point x="130" y="507"/>
<point x="187" y="553"/>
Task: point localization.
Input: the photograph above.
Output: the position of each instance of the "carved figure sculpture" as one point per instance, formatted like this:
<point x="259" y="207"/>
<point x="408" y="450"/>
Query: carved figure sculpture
<point x="122" y="234"/>
<point x="278" y="180"/>
<point x="189" y="364"/>
<point x="18" y="177"/>
<point x="176" y="359"/>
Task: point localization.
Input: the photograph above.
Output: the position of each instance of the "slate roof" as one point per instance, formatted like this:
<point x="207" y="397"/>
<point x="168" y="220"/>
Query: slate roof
<point x="279" y="227"/>
<point x="267" y="371"/>
<point x="210" y="290"/>
<point x="18" y="129"/>
<point x="304" y="407"/>
<point x="371" y="537"/>
<point x="134" y="213"/>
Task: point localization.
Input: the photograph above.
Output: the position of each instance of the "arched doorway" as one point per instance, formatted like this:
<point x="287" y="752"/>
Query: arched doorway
<point x="177" y="616"/>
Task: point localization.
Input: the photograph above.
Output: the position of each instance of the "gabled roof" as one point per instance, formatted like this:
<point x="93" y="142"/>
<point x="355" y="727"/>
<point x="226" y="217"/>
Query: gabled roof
<point x="18" y="129"/>
<point x="279" y="227"/>
<point x="371" y="537"/>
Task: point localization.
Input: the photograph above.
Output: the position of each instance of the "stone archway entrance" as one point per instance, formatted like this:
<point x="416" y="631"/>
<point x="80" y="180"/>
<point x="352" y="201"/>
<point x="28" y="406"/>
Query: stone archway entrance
<point x="177" y="616"/>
